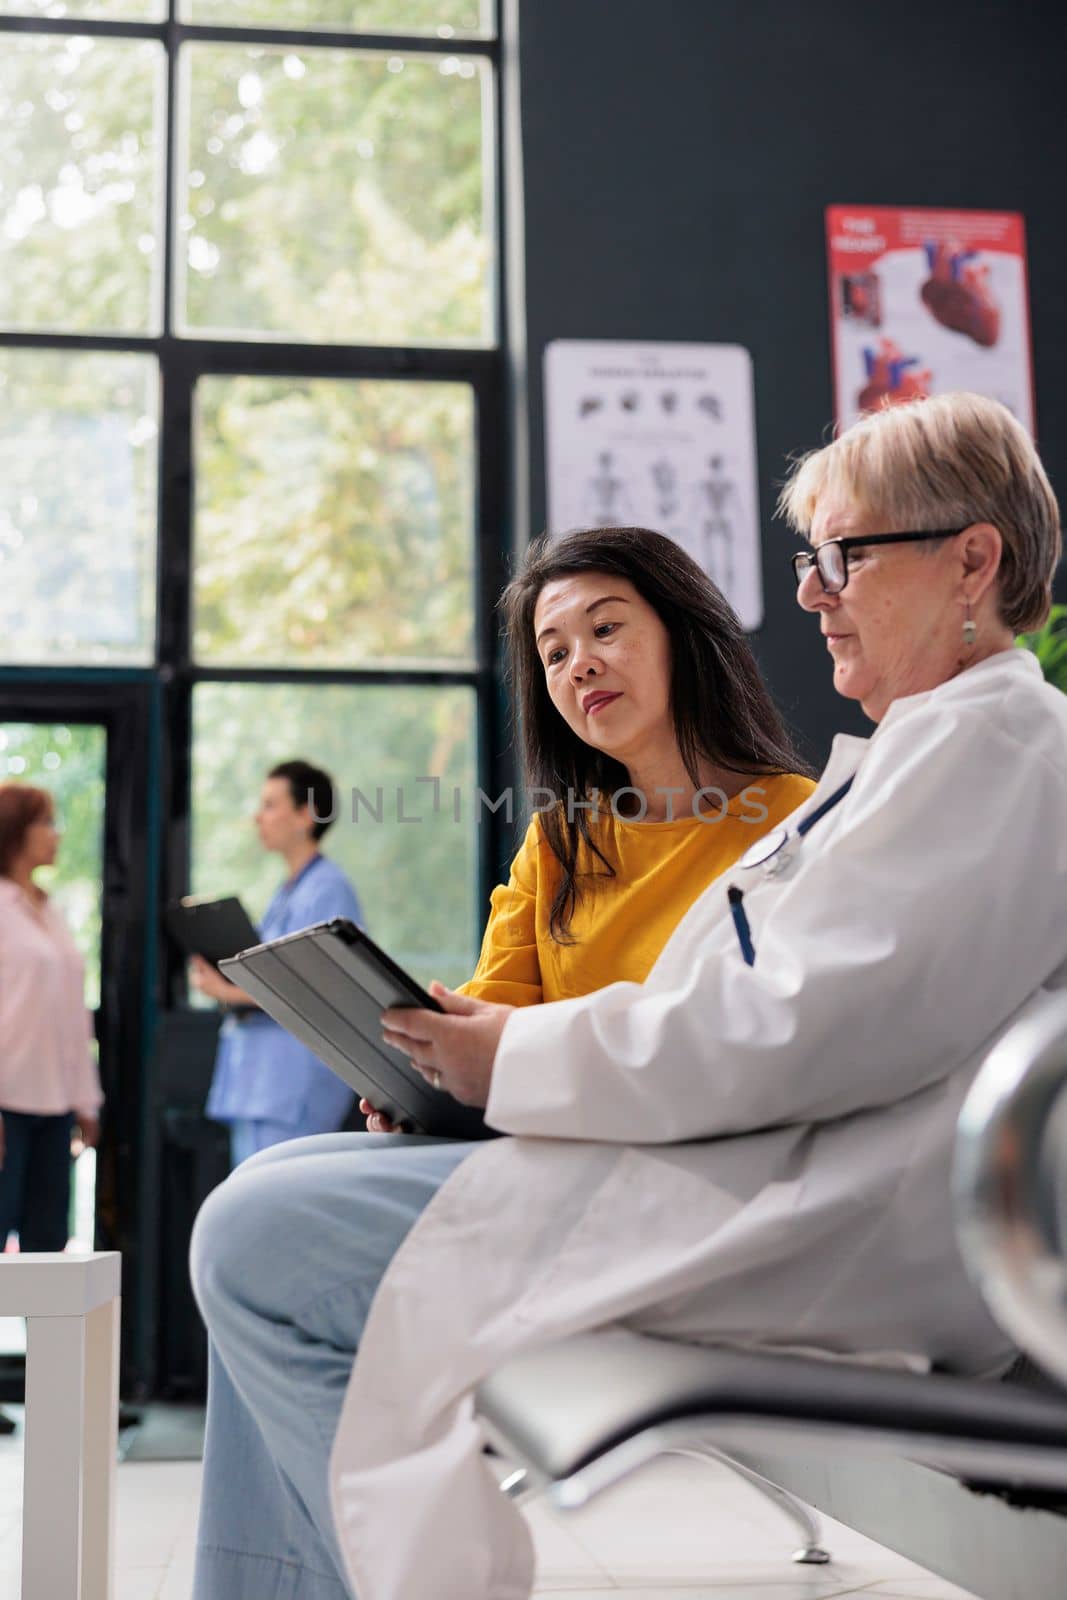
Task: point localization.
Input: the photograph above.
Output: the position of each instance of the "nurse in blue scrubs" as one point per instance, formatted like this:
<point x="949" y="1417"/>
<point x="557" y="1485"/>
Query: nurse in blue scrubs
<point x="267" y="1086"/>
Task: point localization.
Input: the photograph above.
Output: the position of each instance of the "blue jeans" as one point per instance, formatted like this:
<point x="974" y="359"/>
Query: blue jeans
<point x="286" y="1257"/>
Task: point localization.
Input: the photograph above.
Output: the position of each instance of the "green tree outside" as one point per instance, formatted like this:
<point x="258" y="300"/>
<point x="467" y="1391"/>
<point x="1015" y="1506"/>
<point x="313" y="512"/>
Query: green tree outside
<point x="78" y="485"/>
<point x="334" y="195"/>
<point x="334" y="522"/>
<point x="81" y="183"/>
<point x="68" y="759"/>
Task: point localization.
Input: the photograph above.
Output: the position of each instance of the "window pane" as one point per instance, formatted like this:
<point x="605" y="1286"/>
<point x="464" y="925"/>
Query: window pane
<point x="416" y="880"/>
<point x="97" y="10"/>
<point x="442" y="18"/>
<point x="80" y="185"/>
<point x="77" y="506"/>
<point x="334" y="522"/>
<point x="334" y="195"/>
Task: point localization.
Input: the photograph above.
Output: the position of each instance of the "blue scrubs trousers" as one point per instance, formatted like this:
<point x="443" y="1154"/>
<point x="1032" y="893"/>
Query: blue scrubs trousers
<point x="286" y="1257"/>
<point x="249" y="1135"/>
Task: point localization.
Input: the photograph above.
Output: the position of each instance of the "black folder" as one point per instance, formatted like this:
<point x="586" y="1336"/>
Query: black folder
<point x="213" y="929"/>
<point x="328" y="986"/>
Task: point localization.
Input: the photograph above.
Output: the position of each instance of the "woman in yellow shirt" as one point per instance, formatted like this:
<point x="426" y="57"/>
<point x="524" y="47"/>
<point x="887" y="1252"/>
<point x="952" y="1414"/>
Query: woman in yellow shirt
<point x="640" y="699"/>
<point x="654" y="752"/>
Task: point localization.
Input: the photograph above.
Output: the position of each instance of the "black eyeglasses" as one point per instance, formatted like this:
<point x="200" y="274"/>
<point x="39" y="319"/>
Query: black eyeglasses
<point x="830" y="559"/>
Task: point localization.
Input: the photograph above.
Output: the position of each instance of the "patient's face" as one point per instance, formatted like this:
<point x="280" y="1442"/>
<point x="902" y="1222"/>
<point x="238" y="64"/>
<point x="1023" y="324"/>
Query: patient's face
<point x="607" y="662"/>
<point x="42" y="842"/>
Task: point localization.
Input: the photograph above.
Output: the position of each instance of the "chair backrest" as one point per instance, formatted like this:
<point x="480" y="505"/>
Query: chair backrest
<point x="1010" y="1180"/>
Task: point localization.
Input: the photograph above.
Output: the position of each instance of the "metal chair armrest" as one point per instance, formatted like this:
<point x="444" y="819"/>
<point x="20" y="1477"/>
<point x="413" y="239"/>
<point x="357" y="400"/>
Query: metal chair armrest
<point x="1010" y="1181"/>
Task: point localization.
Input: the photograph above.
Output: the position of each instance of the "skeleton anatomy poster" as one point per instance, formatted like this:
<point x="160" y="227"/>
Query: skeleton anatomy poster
<point x="924" y="301"/>
<point x="659" y="436"/>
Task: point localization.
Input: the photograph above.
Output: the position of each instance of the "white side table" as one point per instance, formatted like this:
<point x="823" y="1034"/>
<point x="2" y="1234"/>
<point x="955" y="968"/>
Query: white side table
<point x="71" y="1304"/>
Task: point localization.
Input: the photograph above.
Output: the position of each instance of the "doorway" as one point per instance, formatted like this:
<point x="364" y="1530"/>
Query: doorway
<point x="70" y="761"/>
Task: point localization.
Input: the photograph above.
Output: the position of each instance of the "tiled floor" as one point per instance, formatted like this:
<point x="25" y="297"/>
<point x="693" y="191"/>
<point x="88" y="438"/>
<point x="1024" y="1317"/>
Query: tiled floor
<point x="677" y="1531"/>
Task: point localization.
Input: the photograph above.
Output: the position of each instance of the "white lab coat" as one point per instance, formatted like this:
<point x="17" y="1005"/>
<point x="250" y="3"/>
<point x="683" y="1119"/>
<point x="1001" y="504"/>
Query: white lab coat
<point x="730" y="1154"/>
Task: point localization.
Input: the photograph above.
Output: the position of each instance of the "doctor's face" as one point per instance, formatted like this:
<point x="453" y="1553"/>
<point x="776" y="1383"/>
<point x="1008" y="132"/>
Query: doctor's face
<point x="607" y="661"/>
<point x="280" y="823"/>
<point x="895" y="629"/>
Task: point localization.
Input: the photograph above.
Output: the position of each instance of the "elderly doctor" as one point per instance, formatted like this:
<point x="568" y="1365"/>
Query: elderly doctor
<point x="752" y="1146"/>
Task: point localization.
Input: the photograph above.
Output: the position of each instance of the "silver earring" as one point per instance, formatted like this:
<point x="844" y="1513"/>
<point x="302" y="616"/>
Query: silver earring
<point x="970" y="628"/>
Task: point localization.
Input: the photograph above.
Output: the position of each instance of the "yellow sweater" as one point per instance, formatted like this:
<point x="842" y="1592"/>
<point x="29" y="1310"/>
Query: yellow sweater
<point x="620" y="924"/>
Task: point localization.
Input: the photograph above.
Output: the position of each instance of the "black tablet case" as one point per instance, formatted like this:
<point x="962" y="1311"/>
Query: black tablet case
<point x="328" y="986"/>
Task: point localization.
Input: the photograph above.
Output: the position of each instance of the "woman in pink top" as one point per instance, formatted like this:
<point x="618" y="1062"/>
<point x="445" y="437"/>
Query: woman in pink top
<point x="48" y="1079"/>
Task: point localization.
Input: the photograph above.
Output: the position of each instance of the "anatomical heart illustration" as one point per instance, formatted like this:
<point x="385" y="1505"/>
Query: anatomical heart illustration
<point x="892" y="377"/>
<point x="958" y="292"/>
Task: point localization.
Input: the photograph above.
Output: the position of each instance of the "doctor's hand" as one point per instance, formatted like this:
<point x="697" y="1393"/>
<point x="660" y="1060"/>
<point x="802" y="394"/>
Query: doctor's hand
<point x="209" y="981"/>
<point x="454" y="1052"/>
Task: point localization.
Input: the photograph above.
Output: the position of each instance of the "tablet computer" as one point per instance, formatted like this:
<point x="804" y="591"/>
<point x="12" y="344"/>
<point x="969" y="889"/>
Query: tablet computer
<point x="328" y="986"/>
<point x="213" y="929"/>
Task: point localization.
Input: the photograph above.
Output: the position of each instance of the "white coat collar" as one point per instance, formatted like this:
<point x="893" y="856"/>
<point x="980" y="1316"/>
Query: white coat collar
<point x="846" y="755"/>
<point x="848" y="750"/>
<point x="1014" y="662"/>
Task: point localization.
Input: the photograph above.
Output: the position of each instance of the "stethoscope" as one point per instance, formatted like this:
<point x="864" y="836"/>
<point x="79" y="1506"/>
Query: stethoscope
<point x="775" y="852"/>
<point x="280" y="904"/>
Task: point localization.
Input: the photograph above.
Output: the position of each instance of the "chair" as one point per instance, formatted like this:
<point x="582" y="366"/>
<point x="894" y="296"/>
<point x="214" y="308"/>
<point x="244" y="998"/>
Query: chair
<point x="584" y="1412"/>
<point x="1011" y="1182"/>
<point x="71" y="1305"/>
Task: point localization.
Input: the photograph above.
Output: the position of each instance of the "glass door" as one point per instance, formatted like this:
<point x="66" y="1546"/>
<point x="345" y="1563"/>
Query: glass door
<point x="69" y="760"/>
<point x="93" y="744"/>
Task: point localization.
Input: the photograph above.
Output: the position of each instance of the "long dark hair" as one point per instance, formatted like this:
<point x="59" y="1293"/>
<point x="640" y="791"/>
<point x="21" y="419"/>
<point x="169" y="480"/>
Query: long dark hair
<point x="720" y="706"/>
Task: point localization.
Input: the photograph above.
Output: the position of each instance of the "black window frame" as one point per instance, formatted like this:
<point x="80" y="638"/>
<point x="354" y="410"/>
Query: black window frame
<point x="174" y="674"/>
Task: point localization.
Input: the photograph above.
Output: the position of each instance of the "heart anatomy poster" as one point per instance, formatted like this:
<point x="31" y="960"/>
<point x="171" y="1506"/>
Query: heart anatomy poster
<point x="663" y="436"/>
<point x="925" y="301"/>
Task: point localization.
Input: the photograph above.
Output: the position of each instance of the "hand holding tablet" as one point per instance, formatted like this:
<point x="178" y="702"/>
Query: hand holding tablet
<point x="455" y="1047"/>
<point x="328" y="986"/>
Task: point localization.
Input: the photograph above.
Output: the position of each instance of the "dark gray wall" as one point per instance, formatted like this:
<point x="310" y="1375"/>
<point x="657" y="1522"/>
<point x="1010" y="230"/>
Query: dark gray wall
<point x="678" y="155"/>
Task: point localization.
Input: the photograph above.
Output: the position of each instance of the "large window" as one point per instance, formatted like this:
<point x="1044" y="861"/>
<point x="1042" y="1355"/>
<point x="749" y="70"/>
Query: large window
<point x="250" y="404"/>
<point x="251" y="504"/>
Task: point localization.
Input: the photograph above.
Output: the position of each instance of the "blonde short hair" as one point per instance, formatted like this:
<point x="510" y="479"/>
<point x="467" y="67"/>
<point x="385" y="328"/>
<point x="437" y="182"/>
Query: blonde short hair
<point x="944" y="463"/>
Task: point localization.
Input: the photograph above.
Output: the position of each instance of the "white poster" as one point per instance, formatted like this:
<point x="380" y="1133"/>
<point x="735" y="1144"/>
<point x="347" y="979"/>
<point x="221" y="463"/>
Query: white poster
<point x="659" y="436"/>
